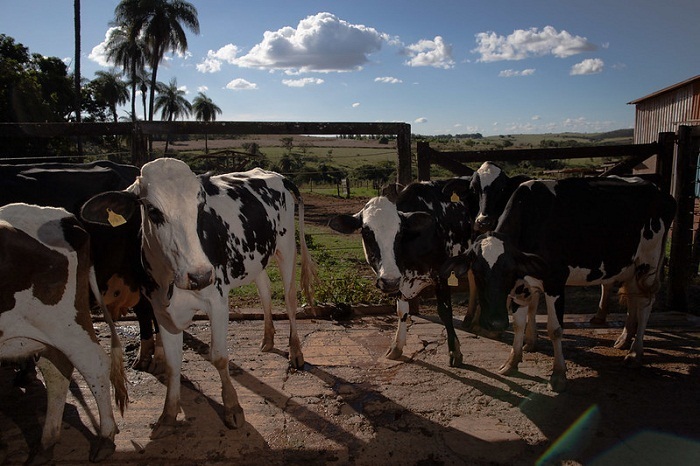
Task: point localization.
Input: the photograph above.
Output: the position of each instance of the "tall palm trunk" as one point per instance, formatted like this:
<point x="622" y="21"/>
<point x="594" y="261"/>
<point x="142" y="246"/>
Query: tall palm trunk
<point x="76" y="70"/>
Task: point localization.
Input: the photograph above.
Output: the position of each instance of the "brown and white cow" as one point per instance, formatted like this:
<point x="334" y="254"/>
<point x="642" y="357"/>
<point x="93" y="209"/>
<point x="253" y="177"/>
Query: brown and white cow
<point x="45" y="281"/>
<point x="203" y="236"/>
<point x="116" y="257"/>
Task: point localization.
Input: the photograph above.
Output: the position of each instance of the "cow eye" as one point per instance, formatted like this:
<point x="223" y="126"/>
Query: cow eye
<point x="154" y="214"/>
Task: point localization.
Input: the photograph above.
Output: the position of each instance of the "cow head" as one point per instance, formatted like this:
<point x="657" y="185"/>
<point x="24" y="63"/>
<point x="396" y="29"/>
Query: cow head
<point x="170" y="197"/>
<point x="389" y="237"/>
<point x="503" y="275"/>
<point x="492" y="187"/>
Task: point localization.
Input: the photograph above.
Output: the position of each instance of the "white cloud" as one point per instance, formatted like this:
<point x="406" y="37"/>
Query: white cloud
<point x="301" y="82"/>
<point x="387" y="80"/>
<point x="514" y="73"/>
<point x="240" y="84"/>
<point x="214" y="59"/>
<point x="435" y="53"/>
<point x="322" y="43"/>
<point x="203" y="88"/>
<point x="356" y="104"/>
<point x="98" y="54"/>
<point x="587" y="66"/>
<point x="420" y="120"/>
<point x="524" y="43"/>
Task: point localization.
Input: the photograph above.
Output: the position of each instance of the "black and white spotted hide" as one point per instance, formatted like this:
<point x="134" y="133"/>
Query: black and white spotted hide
<point x="406" y="236"/>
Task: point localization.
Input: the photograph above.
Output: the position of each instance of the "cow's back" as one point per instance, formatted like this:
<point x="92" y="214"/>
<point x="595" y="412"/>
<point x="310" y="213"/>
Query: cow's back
<point x="452" y="221"/>
<point x="244" y="216"/>
<point x="582" y="221"/>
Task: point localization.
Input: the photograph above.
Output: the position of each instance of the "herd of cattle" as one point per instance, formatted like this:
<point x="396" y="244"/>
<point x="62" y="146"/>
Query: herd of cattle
<point x="166" y="243"/>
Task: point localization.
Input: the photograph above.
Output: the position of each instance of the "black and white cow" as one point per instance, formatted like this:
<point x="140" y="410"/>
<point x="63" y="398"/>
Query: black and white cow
<point x="492" y="188"/>
<point x="45" y="280"/>
<point x="572" y="232"/>
<point x="406" y="238"/>
<point x="203" y="236"/>
<point x="116" y="255"/>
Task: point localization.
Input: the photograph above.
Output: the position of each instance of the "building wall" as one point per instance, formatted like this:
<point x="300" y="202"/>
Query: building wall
<point x="665" y="112"/>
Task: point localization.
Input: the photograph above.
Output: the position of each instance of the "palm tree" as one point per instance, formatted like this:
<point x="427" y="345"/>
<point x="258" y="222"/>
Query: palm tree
<point x="205" y="110"/>
<point x="76" y="69"/>
<point x="110" y="88"/>
<point x="127" y="49"/>
<point x="172" y="104"/>
<point x="162" y="23"/>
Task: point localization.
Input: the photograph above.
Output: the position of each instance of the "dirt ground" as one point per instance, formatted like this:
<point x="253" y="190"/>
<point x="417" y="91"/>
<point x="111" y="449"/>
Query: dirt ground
<point x="351" y="406"/>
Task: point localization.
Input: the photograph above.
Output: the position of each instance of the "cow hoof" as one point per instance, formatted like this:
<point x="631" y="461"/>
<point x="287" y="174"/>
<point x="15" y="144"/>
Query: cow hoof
<point x="142" y="364"/>
<point x="622" y="343"/>
<point x="633" y="360"/>
<point x="103" y="449"/>
<point x="455" y="359"/>
<point x="40" y="456"/>
<point x="157" y="367"/>
<point x="164" y="427"/>
<point x="234" y="417"/>
<point x="597" y="321"/>
<point x="267" y="345"/>
<point x="296" y="361"/>
<point x="393" y="353"/>
<point x="509" y="368"/>
<point x="557" y="382"/>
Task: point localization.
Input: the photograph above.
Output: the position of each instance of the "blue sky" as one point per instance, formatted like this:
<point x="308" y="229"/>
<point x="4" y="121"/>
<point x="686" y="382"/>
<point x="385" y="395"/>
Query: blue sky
<point x="444" y="66"/>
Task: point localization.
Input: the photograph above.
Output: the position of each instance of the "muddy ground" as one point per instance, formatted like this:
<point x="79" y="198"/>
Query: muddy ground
<point x="351" y="406"/>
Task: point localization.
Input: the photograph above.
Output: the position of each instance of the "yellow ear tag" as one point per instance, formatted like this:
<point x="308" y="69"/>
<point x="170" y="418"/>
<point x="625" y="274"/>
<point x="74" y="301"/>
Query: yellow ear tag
<point x="114" y="218"/>
<point x="452" y="279"/>
<point x="455" y="198"/>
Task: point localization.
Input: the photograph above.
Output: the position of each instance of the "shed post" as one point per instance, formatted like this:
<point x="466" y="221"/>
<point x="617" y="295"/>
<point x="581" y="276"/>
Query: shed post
<point x="664" y="159"/>
<point x="682" y="234"/>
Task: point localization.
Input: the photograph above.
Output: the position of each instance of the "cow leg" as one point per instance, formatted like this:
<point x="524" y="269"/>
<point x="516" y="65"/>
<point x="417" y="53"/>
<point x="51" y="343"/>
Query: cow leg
<point x="640" y="306"/>
<point x="520" y="317"/>
<point x="531" y="325"/>
<point x="471" y="319"/>
<point x="555" y="308"/>
<point x="56" y="370"/>
<point x="148" y="359"/>
<point x="396" y="349"/>
<point x="444" y="307"/>
<point x="624" y="341"/>
<point x="233" y="413"/>
<point x="172" y="347"/>
<point x="262" y="281"/>
<point x="601" y="314"/>
<point x="286" y="260"/>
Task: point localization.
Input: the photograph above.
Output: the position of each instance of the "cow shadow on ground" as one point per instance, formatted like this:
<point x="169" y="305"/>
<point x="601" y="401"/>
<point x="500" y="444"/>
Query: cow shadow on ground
<point x="397" y="429"/>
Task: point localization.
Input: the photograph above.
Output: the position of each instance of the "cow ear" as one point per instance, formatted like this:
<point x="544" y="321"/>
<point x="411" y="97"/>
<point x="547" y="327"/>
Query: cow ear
<point x="392" y="191"/>
<point x="417" y="222"/>
<point x="532" y="265"/>
<point x="460" y="265"/>
<point x="113" y="208"/>
<point x="345" y="223"/>
<point x="458" y="188"/>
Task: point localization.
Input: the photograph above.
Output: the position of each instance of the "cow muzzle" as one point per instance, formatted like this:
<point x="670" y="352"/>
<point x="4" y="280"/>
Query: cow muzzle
<point x="484" y="224"/>
<point x="388" y="285"/>
<point x="196" y="279"/>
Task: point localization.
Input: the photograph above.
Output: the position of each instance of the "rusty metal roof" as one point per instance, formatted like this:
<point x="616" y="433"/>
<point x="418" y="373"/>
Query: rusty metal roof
<point x="667" y="89"/>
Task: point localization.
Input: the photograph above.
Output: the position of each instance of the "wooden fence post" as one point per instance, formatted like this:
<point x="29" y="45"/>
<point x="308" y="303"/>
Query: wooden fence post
<point x="664" y="160"/>
<point x="682" y="234"/>
<point x="423" y="160"/>
<point x="403" y="147"/>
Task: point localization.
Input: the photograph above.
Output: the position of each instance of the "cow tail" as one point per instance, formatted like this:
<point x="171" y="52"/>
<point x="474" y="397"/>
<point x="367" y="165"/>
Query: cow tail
<point x="309" y="275"/>
<point x="117" y="373"/>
